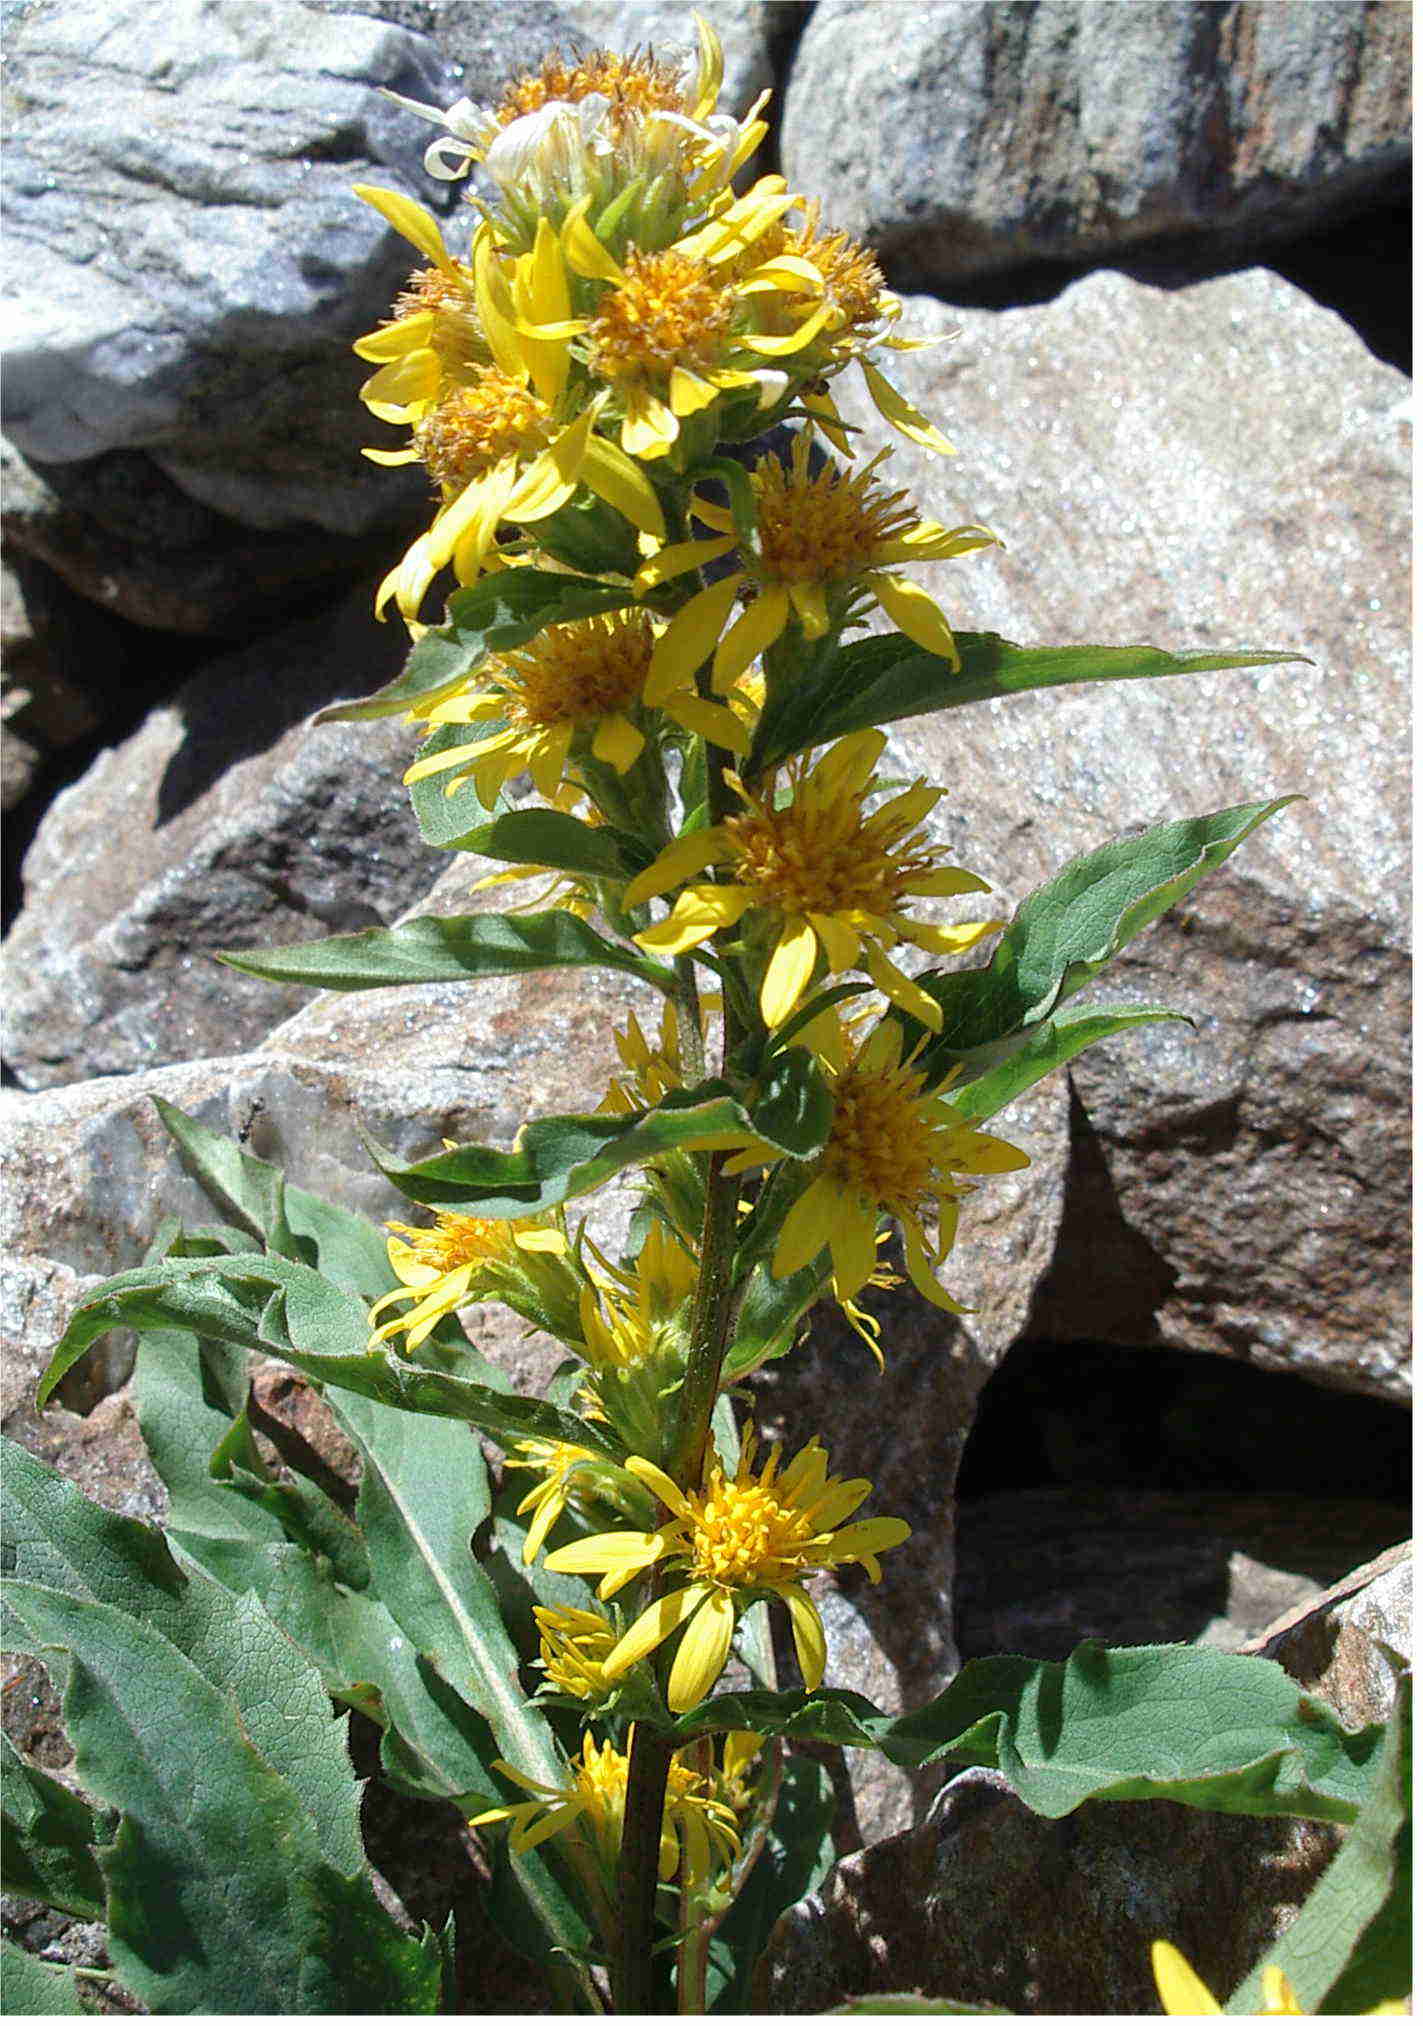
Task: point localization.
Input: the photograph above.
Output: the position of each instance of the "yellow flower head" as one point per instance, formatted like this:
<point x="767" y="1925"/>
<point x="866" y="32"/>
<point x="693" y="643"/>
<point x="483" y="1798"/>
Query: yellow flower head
<point x="454" y="1260"/>
<point x="698" y="1831"/>
<point x="827" y="544"/>
<point x="573" y="1645"/>
<point x="837" y="877"/>
<point x="594" y="125"/>
<point x="742" y="1535"/>
<point x="897" y="1148"/>
<point x="569" y="1478"/>
<point x="653" y="1067"/>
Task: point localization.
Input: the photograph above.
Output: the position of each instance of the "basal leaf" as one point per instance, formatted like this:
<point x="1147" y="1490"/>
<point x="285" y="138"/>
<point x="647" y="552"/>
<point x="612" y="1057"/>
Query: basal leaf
<point x="38" y="1990"/>
<point x="423" y="1492"/>
<point x="1065" y="932"/>
<point x="1213" y="1730"/>
<point x="236" y="1881"/>
<point x="1049" y="1046"/>
<point x="501" y="611"/>
<point x="47" y="1851"/>
<point x="878" y="680"/>
<point x="445" y="949"/>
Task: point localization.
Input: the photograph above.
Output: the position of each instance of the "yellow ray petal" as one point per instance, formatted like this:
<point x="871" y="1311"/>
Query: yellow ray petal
<point x="914" y="612"/>
<point x="411" y="220"/>
<point x="903" y="415"/>
<point x="789" y="972"/>
<point x="699" y="913"/>
<point x="617" y="742"/>
<point x="1181" y="1990"/>
<point x="678" y="558"/>
<point x="808" y="1631"/>
<point x="690" y="638"/>
<point x="658" y="1622"/>
<point x="681" y="860"/>
<point x="763" y="621"/>
<point x="702" y="1653"/>
<point x="616" y="478"/>
<point x="394" y="340"/>
<point x="806" y="1230"/>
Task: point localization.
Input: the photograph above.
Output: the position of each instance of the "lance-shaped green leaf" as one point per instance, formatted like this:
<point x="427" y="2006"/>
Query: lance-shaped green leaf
<point x="260" y="1302"/>
<point x="38" y="1990"/>
<point x="446" y="949"/>
<point x="556" y="1158"/>
<point x="1138" y="1723"/>
<point x="236" y="1881"/>
<point x="547" y="837"/>
<point x="424" y="1490"/>
<point x="1066" y="931"/>
<point x="1057" y="1041"/>
<point x="499" y="612"/>
<point x="47" y="1851"/>
<point x="878" y="680"/>
<point x="798" y="1852"/>
<point x="1350" y="1948"/>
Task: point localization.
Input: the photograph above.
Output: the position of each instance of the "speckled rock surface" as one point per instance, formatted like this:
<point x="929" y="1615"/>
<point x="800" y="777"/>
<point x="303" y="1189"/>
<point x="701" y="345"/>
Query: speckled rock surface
<point x="224" y="821"/>
<point x="1334" y="1646"/>
<point x="187" y="260"/>
<point x="1179" y="468"/>
<point x="966" y="138"/>
<point x="989" y="1904"/>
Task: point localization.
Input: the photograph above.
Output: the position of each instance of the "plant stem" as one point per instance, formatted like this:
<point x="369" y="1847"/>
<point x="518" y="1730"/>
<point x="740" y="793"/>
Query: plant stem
<point x="650" y="1754"/>
<point x="635" y="1970"/>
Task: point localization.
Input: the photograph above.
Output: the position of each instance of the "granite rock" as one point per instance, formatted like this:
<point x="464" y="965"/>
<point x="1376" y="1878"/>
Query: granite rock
<point x="1225" y="465"/>
<point x="965" y="139"/>
<point x="223" y="821"/>
<point x="188" y="265"/>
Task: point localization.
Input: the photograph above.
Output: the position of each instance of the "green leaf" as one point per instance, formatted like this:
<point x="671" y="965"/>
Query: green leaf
<point x="47" y="1852"/>
<point x="799" y="1851"/>
<point x="260" y="1302"/>
<point x="562" y="843"/>
<point x="878" y="680"/>
<point x="441" y="949"/>
<point x="236" y="1881"/>
<point x="1065" y="932"/>
<point x="1055" y="1042"/>
<point x="423" y="1493"/>
<point x="349" y="1250"/>
<point x="1213" y="1730"/>
<point x="35" y="1989"/>
<point x="1350" y="1948"/>
<point x="565" y="1156"/>
<point x="499" y="612"/>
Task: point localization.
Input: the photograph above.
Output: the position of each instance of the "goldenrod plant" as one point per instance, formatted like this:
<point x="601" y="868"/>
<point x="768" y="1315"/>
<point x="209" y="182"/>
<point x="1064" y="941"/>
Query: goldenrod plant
<point x="665" y="605"/>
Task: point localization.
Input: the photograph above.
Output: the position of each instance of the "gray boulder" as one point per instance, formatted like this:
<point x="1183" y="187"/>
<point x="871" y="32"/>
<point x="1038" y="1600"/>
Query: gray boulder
<point x="187" y="264"/>
<point x="1223" y="465"/>
<point x="968" y="138"/>
<point x="224" y="821"/>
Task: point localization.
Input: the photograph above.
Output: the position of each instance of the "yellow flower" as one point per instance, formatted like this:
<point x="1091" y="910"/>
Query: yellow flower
<point x="573" y="1645"/>
<point x="594" y="125"/>
<point x="454" y="1260"/>
<point x="738" y="1537"/>
<point x="837" y="878"/>
<point x="1183" y="1995"/>
<point x="897" y="1148"/>
<point x="654" y="1067"/>
<point x="560" y="1465"/>
<point x="677" y="326"/>
<point x="826" y="545"/>
<point x="698" y="1832"/>
<point x="573" y="694"/>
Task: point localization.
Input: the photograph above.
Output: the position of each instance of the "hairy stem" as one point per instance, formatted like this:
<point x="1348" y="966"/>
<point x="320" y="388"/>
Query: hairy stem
<point x="636" y="1972"/>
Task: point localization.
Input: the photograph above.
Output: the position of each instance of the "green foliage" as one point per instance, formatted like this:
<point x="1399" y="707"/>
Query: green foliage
<point x="1350" y="1947"/>
<point x="35" y="1989"/>
<point x="1066" y="932"/>
<point x="47" y="1851"/>
<point x="1135" y="1723"/>
<point x="878" y="680"/>
<point x="797" y="1854"/>
<point x="497" y="613"/>
<point x="543" y="837"/>
<point x="236" y="1880"/>
<point x="1051" y="1045"/>
<point x="261" y="1302"/>
<point x="564" y="1156"/>
<point x="446" y="949"/>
